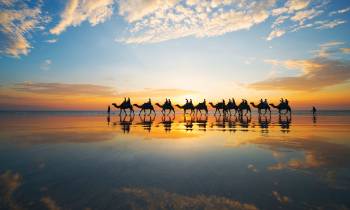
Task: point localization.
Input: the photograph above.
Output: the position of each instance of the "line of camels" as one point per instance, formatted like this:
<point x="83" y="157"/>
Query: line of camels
<point x="222" y="108"/>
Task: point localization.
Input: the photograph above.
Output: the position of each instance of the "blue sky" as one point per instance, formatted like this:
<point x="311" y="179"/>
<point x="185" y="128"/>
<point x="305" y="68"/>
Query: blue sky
<point x="200" y="46"/>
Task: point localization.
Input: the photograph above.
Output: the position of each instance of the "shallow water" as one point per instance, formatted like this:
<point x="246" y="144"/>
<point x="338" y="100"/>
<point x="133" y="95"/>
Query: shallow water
<point x="82" y="160"/>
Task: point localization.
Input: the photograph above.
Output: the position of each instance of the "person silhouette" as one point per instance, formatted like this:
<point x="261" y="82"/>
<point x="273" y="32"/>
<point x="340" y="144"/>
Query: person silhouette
<point x="286" y="101"/>
<point x="109" y="110"/>
<point x="169" y="102"/>
<point x="186" y="101"/>
<point x="149" y="100"/>
<point x="204" y="101"/>
<point x="314" y="110"/>
<point x="261" y="101"/>
<point x="128" y="101"/>
<point x="265" y="101"/>
<point x="281" y="100"/>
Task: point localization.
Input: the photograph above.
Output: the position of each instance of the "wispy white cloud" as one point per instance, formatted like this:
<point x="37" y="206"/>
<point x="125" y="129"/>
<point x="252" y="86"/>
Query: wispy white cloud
<point x="51" y="41"/>
<point x="329" y="24"/>
<point x="77" y="11"/>
<point x="345" y="50"/>
<point x="176" y="19"/>
<point x="341" y="11"/>
<point x="275" y="33"/>
<point x="45" y="66"/>
<point x="16" y="23"/>
<point x="301" y="14"/>
<point x="328" y="48"/>
<point x="291" y="6"/>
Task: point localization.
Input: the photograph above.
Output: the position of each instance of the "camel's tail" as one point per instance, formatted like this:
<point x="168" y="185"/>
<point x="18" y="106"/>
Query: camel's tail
<point x="138" y="106"/>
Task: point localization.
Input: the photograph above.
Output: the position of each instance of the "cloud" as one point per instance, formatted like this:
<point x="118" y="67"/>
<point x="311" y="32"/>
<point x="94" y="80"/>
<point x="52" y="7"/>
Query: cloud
<point x="328" y="48"/>
<point x="77" y="11"/>
<point x="51" y="41"/>
<point x="341" y="11"/>
<point x="16" y="23"/>
<point x="46" y="65"/>
<point x="329" y="24"/>
<point x="133" y="10"/>
<point x="291" y="6"/>
<point x="64" y="89"/>
<point x="160" y="199"/>
<point x="7" y="2"/>
<point x="275" y="33"/>
<point x="160" y="22"/>
<point x="345" y="50"/>
<point x="316" y="74"/>
<point x="302" y="16"/>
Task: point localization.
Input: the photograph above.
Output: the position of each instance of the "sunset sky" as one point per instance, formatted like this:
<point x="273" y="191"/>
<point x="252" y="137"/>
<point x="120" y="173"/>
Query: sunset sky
<point x="86" y="54"/>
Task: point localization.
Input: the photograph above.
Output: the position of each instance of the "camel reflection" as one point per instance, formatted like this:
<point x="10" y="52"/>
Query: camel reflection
<point x="202" y="122"/>
<point x="167" y="121"/>
<point x="264" y="122"/>
<point x="188" y="122"/>
<point x="284" y="122"/>
<point x="244" y="120"/>
<point x="125" y="121"/>
<point x="147" y="121"/>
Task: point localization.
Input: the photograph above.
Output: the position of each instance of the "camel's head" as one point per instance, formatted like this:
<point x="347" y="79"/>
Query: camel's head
<point x="252" y="103"/>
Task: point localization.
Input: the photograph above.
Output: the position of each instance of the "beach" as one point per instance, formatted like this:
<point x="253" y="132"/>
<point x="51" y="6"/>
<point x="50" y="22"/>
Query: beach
<point x="86" y="160"/>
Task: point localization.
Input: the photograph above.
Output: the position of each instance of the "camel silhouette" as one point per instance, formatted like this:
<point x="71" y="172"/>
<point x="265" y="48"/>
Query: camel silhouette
<point x="125" y="105"/>
<point x="201" y="106"/>
<point x="282" y="106"/>
<point x="244" y="106"/>
<point x="231" y="105"/>
<point x="219" y="106"/>
<point x="166" y="106"/>
<point x="186" y="106"/>
<point x="146" y="106"/>
<point x="261" y="106"/>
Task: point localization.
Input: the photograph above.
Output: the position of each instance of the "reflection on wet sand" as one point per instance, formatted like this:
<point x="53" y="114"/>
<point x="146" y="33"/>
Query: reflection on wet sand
<point x="9" y="182"/>
<point x="200" y="122"/>
<point x="141" y="198"/>
<point x="174" y="162"/>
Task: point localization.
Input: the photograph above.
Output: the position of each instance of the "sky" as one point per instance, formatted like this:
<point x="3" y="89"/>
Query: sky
<point x="86" y="54"/>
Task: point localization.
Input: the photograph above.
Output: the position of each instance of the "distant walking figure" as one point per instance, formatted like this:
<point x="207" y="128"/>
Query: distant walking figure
<point x="314" y="110"/>
<point x="109" y="110"/>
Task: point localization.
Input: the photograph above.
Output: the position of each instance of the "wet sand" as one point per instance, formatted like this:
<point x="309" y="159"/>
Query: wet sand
<point x="77" y="161"/>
